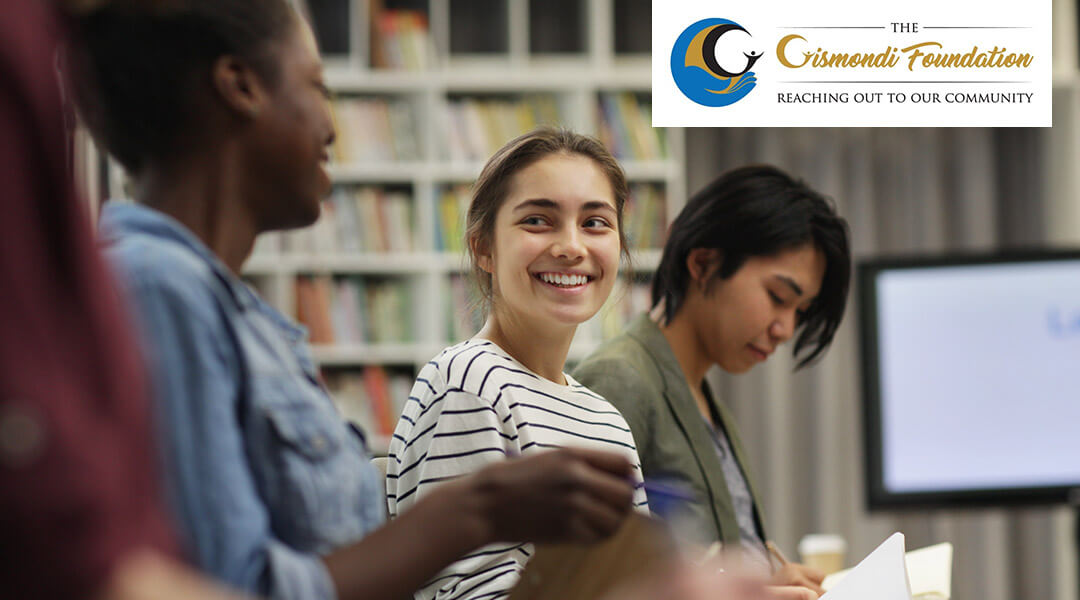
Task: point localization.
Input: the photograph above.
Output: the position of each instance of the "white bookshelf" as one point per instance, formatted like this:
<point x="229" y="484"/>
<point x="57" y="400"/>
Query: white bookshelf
<point x="575" y="75"/>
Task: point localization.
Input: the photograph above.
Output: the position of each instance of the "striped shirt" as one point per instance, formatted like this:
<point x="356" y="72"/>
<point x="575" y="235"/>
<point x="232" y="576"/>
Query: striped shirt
<point x="473" y="405"/>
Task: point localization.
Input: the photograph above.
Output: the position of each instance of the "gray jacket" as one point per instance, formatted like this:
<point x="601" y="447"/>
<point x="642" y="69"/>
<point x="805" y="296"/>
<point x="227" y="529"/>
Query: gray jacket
<point x="639" y="374"/>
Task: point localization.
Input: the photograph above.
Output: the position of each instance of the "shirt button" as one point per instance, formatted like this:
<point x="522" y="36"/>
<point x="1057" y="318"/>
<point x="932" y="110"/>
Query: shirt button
<point x="22" y="436"/>
<point x="319" y="443"/>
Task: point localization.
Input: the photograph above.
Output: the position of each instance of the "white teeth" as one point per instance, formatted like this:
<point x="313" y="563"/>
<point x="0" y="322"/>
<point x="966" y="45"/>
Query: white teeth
<point x="563" y="279"/>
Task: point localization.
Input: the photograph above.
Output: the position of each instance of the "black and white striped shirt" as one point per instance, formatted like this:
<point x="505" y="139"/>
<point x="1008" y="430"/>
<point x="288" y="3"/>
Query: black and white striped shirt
<point x="472" y="405"/>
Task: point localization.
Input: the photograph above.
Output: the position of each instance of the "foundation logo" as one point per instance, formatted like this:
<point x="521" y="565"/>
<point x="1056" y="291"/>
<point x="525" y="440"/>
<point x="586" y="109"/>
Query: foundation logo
<point x="711" y="62"/>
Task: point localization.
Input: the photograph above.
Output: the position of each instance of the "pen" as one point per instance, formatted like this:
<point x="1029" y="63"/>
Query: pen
<point x="666" y="497"/>
<point x="667" y="490"/>
<point x="777" y="554"/>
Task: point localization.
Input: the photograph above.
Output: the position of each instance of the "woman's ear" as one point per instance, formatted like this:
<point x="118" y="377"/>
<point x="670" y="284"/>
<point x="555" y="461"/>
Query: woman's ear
<point x="238" y="87"/>
<point x="702" y="264"/>
<point x="482" y="252"/>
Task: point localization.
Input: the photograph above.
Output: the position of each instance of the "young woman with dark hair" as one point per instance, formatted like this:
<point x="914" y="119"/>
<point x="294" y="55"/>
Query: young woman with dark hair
<point x="754" y="259"/>
<point x="217" y="108"/>
<point x="544" y="231"/>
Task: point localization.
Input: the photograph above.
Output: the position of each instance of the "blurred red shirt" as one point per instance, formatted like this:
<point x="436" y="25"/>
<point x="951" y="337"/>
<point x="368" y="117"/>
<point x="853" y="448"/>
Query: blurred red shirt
<point x="78" y="481"/>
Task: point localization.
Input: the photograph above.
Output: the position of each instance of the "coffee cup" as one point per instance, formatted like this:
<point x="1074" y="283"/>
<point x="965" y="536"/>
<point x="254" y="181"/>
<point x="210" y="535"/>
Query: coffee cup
<point x="823" y="551"/>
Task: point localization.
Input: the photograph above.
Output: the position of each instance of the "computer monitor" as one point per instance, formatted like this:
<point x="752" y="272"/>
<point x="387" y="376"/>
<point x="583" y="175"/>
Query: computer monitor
<point x="971" y="374"/>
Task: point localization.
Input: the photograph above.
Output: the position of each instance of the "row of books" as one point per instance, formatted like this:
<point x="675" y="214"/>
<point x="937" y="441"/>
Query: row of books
<point x="400" y="40"/>
<point x="477" y="127"/>
<point x="355" y="310"/>
<point x="359" y="219"/>
<point x="373" y="397"/>
<point x="628" y="300"/>
<point x="375" y="129"/>
<point x="626" y="127"/>
<point x="645" y="216"/>
<point x="450" y="225"/>
<point x="464" y="313"/>
<point x="383" y="129"/>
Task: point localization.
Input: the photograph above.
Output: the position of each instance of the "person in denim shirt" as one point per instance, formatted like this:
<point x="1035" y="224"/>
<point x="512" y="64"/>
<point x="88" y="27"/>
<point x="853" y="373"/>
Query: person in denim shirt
<point x="253" y="437"/>
<point x="217" y="109"/>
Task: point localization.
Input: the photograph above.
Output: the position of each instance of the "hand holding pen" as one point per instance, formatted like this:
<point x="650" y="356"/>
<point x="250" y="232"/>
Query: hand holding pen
<point x="788" y="573"/>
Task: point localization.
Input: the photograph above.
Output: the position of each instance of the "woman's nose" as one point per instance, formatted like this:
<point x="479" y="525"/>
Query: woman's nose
<point x="569" y="244"/>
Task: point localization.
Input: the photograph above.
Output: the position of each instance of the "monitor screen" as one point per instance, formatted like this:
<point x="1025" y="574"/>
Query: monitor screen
<point x="972" y="379"/>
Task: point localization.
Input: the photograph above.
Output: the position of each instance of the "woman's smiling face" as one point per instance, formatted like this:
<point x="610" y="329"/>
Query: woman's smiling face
<point x="555" y="252"/>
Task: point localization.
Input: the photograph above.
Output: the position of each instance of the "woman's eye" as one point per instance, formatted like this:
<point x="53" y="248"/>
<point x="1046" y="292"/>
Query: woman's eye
<point x="595" y="223"/>
<point x="534" y="221"/>
<point x="776" y="299"/>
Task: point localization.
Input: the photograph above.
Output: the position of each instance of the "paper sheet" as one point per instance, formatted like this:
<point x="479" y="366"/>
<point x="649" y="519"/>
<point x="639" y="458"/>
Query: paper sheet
<point x="882" y="575"/>
<point x="929" y="572"/>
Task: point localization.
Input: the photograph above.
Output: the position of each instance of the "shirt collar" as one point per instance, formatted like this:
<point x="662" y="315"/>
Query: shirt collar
<point x="646" y="331"/>
<point x="120" y="219"/>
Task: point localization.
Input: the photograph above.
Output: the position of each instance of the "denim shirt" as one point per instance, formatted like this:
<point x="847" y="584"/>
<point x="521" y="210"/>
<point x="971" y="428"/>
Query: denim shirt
<point x="261" y="471"/>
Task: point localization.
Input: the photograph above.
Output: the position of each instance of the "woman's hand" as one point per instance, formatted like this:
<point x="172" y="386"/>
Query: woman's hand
<point x="569" y="494"/>
<point x="557" y="496"/>
<point x="147" y="575"/>
<point x="794" y="574"/>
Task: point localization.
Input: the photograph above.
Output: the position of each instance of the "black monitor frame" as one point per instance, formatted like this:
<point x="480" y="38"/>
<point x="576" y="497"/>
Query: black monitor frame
<point x="877" y="496"/>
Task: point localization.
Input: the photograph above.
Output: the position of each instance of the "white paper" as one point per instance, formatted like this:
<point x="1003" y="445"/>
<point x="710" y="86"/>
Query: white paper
<point x="882" y="575"/>
<point x="930" y="570"/>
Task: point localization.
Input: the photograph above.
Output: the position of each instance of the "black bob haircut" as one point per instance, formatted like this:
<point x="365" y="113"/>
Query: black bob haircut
<point x="760" y="211"/>
<point x="137" y="66"/>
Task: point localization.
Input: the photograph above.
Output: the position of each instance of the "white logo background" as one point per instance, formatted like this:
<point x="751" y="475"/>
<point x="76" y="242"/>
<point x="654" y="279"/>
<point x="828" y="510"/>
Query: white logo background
<point x="848" y="26"/>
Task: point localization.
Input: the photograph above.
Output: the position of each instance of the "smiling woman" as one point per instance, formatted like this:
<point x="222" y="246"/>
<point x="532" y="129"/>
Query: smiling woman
<point x="545" y="236"/>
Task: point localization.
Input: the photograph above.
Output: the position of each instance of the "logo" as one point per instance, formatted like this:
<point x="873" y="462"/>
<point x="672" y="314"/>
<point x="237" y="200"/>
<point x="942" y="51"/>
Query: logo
<point x="710" y="65"/>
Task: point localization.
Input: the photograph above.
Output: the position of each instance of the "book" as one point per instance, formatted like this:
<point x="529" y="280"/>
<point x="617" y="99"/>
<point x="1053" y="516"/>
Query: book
<point x="312" y="308"/>
<point x="645" y="216"/>
<point x="400" y="40"/>
<point x="372" y="397"/>
<point x="625" y="127"/>
<point x="450" y="228"/>
<point x="628" y="300"/>
<point x="377" y="385"/>
<point x="355" y="309"/>
<point x="463" y="314"/>
<point x="478" y="126"/>
<point x="359" y="219"/>
<point x="373" y="129"/>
